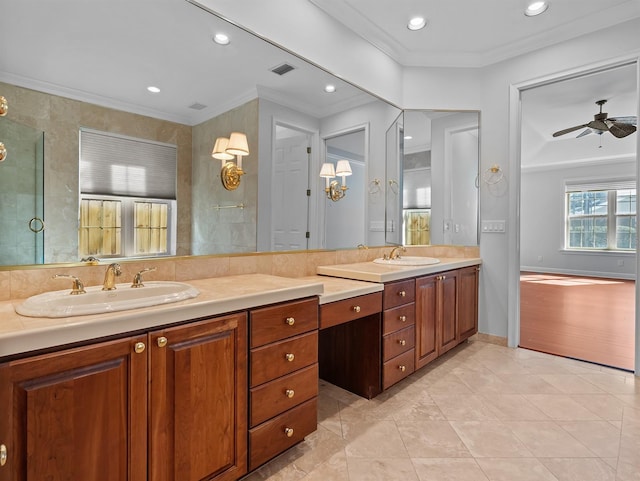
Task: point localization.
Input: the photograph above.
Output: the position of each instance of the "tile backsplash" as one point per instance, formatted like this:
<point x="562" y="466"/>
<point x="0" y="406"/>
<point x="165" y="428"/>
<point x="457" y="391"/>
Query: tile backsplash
<point x="25" y="282"/>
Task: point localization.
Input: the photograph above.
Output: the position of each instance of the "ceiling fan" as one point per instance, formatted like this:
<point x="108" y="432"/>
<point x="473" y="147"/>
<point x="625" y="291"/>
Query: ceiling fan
<point x="618" y="126"/>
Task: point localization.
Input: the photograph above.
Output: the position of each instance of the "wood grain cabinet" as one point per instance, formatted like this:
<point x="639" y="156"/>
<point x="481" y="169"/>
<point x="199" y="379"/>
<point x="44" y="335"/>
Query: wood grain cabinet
<point x="398" y="338"/>
<point x="86" y="413"/>
<point x="446" y="312"/>
<point x="283" y="377"/>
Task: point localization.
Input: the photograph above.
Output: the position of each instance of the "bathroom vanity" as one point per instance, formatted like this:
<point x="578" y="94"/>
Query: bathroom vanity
<point x="213" y="387"/>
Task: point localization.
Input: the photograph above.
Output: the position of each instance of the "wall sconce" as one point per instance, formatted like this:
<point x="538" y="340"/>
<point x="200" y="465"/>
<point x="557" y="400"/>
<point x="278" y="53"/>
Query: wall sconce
<point x="334" y="190"/>
<point x="225" y="150"/>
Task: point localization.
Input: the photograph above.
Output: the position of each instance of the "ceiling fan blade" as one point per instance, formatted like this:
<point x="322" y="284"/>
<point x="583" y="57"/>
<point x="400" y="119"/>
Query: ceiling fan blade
<point x="631" y="119"/>
<point x="621" y="130"/>
<point x="571" y="129"/>
<point x="598" y="125"/>
<point x="586" y="131"/>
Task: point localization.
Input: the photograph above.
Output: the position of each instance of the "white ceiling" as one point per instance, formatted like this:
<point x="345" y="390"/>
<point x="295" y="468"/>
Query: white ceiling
<point x="107" y="52"/>
<point x="472" y="33"/>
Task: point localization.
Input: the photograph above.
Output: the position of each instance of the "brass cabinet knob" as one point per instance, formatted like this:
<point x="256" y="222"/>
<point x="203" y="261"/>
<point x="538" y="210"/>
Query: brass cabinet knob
<point x="290" y="321"/>
<point x="3" y="455"/>
<point x="139" y="347"/>
<point x="288" y="432"/>
<point x="162" y="341"/>
<point x="402" y="368"/>
<point x="356" y="308"/>
<point x="403" y="318"/>
<point x="289" y="393"/>
<point x="402" y="293"/>
<point x="444" y="277"/>
<point x="402" y="342"/>
<point x="289" y="357"/>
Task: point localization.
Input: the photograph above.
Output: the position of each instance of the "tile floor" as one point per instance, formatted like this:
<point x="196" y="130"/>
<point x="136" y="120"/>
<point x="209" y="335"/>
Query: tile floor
<point x="479" y="413"/>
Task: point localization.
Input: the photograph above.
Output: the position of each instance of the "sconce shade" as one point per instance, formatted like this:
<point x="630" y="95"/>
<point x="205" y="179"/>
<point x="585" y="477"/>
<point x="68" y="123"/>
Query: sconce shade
<point x="219" y="149"/>
<point x="327" y="171"/>
<point x="343" y="168"/>
<point x="238" y="144"/>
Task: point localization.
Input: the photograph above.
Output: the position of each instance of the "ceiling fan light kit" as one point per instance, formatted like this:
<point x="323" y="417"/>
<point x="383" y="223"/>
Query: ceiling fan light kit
<point x="619" y="127"/>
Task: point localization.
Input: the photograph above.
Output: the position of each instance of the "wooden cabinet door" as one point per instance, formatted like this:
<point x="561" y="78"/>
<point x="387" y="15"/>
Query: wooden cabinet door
<point x="467" y="302"/>
<point x="77" y="414"/>
<point x="426" y="305"/>
<point x="448" y="315"/>
<point x="198" y="400"/>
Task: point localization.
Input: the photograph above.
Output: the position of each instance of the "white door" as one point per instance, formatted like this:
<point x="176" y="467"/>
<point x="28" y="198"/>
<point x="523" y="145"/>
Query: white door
<point x="289" y="185"/>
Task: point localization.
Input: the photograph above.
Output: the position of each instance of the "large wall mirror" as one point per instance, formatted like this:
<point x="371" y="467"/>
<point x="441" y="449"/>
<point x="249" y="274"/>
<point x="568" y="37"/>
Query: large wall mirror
<point x="81" y="73"/>
<point x="432" y="177"/>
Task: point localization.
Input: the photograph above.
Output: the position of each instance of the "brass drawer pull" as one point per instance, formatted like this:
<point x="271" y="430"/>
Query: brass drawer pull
<point x="289" y="393"/>
<point x="288" y="432"/>
<point x="162" y="341"/>
<point x="139" y="347"/>
<point x="402" y="342"/>
<point x="402" y="368"/>
<point x="402" y="293"/>
<point x="289" y="357"/>
<point x="3" y="455"/>
<point x="290" y="321"/>
<point x="356" y="308"/>
<point x="403" y="318"/>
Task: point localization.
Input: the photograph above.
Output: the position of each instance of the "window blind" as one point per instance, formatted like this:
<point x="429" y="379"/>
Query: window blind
<point x="124" y="166"/>
<point x="591" y="185"/>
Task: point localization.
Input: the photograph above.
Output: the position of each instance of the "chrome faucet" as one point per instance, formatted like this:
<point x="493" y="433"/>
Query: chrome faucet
<point x="113" y="271"/>
<point x="394" y="254"/>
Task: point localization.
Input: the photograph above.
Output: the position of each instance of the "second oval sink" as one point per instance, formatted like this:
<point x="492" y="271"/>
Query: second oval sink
<point x="97" y="301"/>
<point x="407" y="261"/>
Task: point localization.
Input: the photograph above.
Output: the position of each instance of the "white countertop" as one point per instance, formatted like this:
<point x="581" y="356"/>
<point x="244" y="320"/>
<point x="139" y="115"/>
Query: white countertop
<point x="372" y="272"/>
<point x="220" y="295"/>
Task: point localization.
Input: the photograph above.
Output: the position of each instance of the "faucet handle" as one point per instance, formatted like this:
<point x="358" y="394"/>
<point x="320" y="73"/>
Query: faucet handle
<point x="137" y="279"/>
<point x="78" y="286"/>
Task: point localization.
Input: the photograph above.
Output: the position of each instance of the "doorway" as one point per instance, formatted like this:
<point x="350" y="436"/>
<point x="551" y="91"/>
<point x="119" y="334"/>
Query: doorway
<point x="345" y="219"/>
<point x="577" y="272"/>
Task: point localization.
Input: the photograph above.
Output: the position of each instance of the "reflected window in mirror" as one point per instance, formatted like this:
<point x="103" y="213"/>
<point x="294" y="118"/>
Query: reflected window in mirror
<point x="127" y="196"/>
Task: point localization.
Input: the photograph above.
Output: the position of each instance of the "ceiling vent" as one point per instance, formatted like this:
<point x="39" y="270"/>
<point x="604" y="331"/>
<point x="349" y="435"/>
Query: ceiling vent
<point x="282" y="69"/>
<point x="197" y="106"/>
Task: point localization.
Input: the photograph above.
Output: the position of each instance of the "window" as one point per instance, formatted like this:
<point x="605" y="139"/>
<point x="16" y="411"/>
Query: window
<point x="128" y="196"/>
<point x="601" y="216"/>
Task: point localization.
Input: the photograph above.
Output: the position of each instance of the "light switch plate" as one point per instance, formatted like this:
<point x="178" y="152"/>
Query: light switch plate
<point x="494" y="226"/>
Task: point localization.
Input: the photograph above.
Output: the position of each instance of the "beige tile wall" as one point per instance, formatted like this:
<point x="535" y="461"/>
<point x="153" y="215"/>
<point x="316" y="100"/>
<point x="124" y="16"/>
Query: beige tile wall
<point x="25" y="282"/>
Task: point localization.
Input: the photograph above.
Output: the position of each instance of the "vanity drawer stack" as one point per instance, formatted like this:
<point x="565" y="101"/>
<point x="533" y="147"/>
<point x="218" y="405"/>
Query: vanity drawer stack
<point x="398" y="331"/>
<point x="283" y="377"/>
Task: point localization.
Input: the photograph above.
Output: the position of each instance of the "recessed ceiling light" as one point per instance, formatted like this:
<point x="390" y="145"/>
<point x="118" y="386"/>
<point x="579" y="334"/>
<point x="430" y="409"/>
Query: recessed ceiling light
<point x="330" y="88"/>
<point x="416" y="23"/>
<point x="153" y="90"/>
<point x="221" y="39"/>
<point x="535" y="8"/>
<point x="408" y="137"/>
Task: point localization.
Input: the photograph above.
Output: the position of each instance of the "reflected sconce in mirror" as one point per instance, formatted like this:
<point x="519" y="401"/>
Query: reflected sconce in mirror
<point x="225" y="150"/>
<point x="4" y="108"/>
<point x="333" y="189"/>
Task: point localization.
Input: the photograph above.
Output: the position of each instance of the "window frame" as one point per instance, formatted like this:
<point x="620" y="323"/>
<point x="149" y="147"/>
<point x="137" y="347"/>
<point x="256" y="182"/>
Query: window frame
<point x="128" y="229"/>
<point x="611" y="188"/>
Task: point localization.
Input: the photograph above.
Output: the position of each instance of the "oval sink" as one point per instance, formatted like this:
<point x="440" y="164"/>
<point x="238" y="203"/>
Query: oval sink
<point x="407" y="261"/>
<point x="97" y="301"/>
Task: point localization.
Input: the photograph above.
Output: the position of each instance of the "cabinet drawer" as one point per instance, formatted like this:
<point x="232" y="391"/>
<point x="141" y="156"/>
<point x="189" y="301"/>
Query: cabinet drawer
<point x="277" y="396"/>
<point x="335" y="313"/>
<point x="399" y="318"/>
<point x="273" y="437"/>
<point x="278" y="322"/>
<point x="397" y="293"/>
<point x="398" y="342"/>
<point x="284" y="357"/>
<point x="398" y="368"/>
